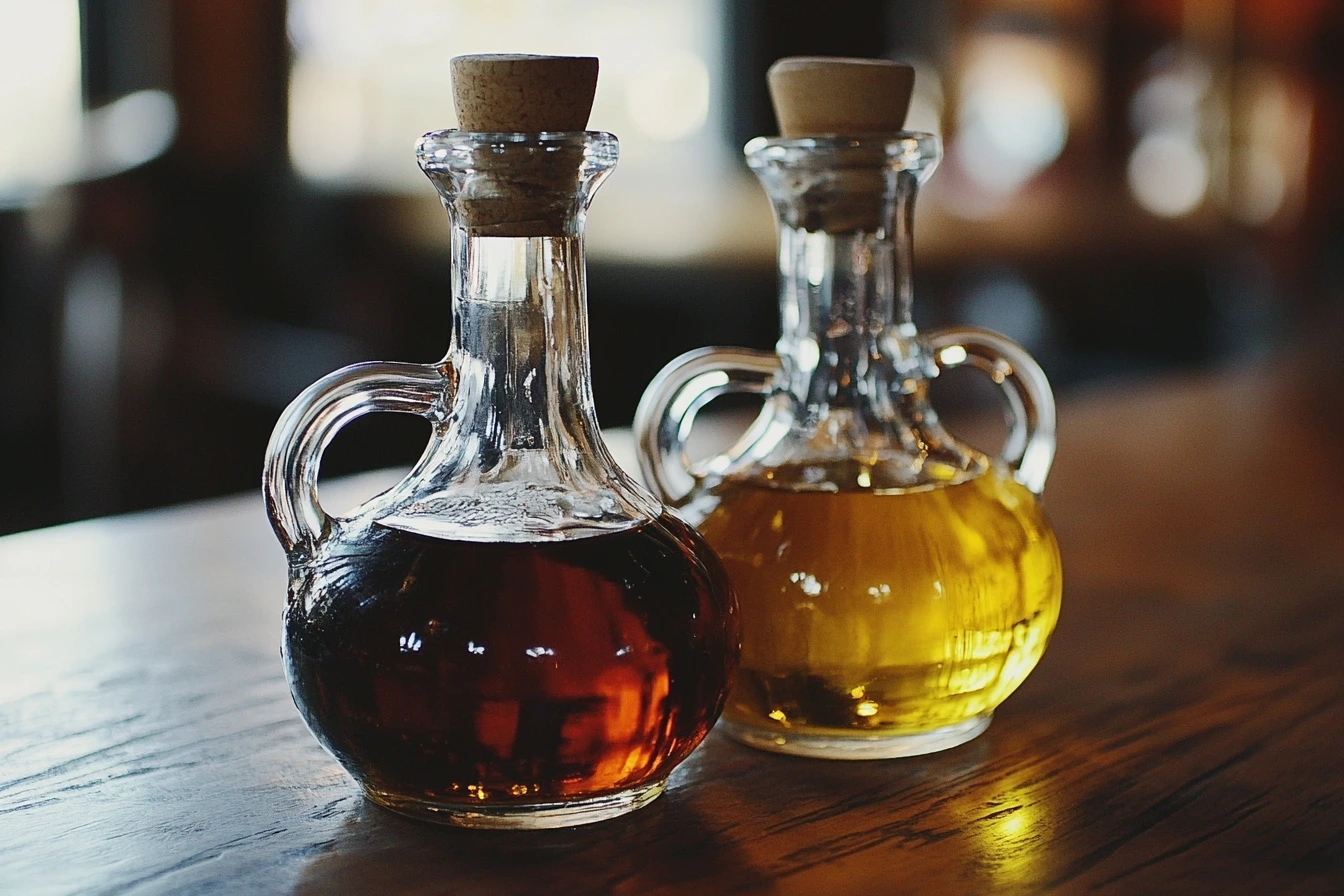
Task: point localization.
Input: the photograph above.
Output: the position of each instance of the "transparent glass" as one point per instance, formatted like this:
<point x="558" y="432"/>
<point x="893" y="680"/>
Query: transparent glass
<point x="517" y="634"/>
<point x="896" y="585"/>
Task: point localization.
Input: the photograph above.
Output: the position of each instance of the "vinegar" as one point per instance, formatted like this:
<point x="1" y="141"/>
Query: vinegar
<point x="869" y="615"/>
<point x="447" y="675"/>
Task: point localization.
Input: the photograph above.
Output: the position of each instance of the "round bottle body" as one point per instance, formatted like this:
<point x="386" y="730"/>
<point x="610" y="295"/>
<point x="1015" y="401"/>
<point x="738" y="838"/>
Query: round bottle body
<point x="532" y="684"/>
<point x="883" y="623"/>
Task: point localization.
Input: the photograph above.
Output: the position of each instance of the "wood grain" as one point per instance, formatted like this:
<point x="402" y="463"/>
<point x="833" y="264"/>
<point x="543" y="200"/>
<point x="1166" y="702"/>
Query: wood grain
<point x="1182" y="735"/>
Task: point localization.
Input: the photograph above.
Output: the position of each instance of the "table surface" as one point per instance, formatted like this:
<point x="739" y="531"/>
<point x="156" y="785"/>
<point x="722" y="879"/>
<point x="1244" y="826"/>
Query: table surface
<point x="1182" y="734"/>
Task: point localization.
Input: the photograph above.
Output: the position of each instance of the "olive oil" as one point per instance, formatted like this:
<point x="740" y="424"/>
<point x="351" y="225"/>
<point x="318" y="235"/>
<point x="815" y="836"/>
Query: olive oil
<point x="884" y="614"/>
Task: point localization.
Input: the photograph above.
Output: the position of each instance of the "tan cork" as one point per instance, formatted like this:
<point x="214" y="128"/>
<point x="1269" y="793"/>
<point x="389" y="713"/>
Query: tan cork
<point x="523" y="94"/>
<point x="816" y="95"/>
<point x="528" y="192"/>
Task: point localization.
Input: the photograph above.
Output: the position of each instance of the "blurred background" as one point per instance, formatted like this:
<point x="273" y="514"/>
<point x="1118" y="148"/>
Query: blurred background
<point x="205" y="205"/>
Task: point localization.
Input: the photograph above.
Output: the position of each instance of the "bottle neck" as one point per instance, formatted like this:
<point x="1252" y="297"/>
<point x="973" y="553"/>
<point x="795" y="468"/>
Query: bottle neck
<point x="519" y="353"/>
<point x="517" y="455"/>
<point x="520" y="344"/>
<point x="845" y="209"/>
<point x="845" y="310"/>
<point x="855" y="412"/>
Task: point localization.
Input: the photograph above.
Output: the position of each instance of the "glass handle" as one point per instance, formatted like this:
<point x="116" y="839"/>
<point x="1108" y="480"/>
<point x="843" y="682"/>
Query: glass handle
<point x="1029" y="402"/>
<point x="312" y="420"/>
<point x="667" y="412"/>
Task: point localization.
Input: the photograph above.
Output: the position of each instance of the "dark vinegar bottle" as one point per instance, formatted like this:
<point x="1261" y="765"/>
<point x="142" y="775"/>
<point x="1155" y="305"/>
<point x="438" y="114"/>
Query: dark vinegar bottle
<point x="517" y="635"/>
<point x="506" y="674"/>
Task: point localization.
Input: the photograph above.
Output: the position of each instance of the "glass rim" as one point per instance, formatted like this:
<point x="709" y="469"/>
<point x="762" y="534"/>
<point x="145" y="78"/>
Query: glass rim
<point x="450" y="147"/>
<point x="473" y="139"/>
<point x="901" y="144"/>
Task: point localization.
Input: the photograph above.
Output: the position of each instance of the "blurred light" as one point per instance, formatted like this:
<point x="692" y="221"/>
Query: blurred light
<point x="667" y="98"/>
<point x="1170" y="98"/>
<point x="128" y="132"/>
<point x="1268" y="101"/>
<point x="369" y="76"/>
<point x="40" y="100"/>
<point x="1012" y="121"/>
<point x="326" y="119"/>
<point x="329" y="29"/>
<point x="1261" y="187"/>
<point x="1270" y="152"/>
<point x="1169" y="169"/>
<point x="52" y="141"/>
<point x="1168" y="174"/>
<point x="926" y="101"/>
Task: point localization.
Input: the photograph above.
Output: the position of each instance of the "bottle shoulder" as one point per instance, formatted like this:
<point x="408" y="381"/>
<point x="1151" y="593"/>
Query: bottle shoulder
<point x="990" y="508"/>
<point x="857" y="450"/>
<point x="547" y="493"/>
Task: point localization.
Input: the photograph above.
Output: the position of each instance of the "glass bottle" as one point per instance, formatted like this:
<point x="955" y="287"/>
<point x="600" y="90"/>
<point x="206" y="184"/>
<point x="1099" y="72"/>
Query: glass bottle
<point x="517" y="634"/>
<point x="895" y="584"/>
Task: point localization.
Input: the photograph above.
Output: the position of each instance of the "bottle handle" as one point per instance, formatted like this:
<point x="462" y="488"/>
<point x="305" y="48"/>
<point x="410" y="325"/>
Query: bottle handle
<point x="1028" y="401"/>
<point x="311" y="421"/>
<point x="667" y="413"/>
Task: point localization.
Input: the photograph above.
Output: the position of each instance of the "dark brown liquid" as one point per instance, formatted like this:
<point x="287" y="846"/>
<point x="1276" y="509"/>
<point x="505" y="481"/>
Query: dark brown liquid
<point x="460" y="672"/>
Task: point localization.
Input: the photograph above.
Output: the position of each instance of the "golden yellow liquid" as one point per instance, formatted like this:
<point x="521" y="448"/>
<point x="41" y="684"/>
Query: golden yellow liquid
<point x="874" y="613"/>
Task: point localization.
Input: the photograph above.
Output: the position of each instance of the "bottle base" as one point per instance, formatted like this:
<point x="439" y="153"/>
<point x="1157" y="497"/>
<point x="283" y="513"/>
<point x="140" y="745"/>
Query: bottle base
<point x="522" y="816"/>
<point x="858" y="746"/>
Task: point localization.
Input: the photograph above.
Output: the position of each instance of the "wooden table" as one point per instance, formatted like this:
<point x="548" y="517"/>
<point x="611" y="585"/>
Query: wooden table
<point x="1184" y="733"/>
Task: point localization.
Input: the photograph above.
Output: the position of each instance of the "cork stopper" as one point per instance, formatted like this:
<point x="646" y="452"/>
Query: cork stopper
<point x="816" y="95"/>
<point x="523" y="94"/>
<point x="530" y="189"/>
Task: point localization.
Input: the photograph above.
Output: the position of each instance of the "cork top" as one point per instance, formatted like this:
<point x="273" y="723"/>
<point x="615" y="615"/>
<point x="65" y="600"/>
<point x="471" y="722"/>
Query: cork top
<point x="816" y="95"/>
<point x="523" y="94"/>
